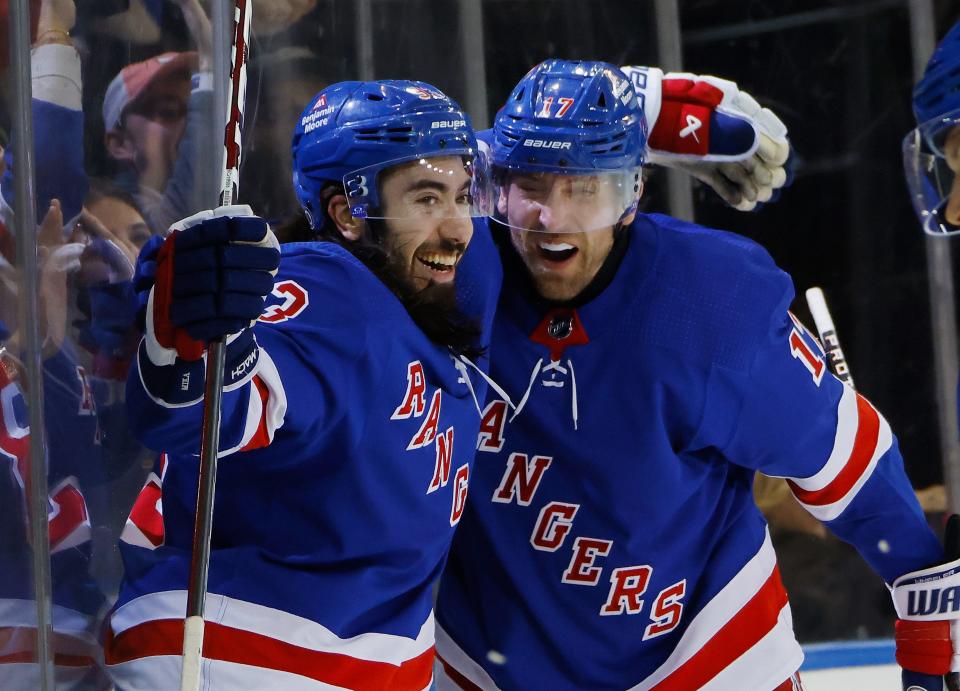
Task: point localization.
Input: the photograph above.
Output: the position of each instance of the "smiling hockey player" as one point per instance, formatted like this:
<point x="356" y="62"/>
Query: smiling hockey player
<point x="650" y="368"/>
<point x="349" y="414"/>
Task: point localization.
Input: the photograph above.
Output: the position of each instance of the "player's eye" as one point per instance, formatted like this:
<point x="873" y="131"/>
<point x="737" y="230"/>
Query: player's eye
<point x="583" y="188"/>
<point x="531" y="188"/>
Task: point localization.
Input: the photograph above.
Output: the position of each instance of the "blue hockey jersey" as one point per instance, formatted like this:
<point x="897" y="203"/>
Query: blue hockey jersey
<point x="351" y="444"/>
<point x="611" y="540"/>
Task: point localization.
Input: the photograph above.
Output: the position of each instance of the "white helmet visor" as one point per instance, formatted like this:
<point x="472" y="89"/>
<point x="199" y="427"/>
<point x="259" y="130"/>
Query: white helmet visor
<point x="931" y="160"/>
<point x="432" y="186"/>
<point x="574" y="201"/>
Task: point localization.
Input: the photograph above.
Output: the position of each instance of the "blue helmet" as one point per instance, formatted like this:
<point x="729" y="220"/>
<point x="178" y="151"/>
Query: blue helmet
<point x="352" y="131"/>
<point x="930" y="174"/>
<point x="567" y="149"/>
<point x="938" y="91"/>
<point x="571" y="114"/>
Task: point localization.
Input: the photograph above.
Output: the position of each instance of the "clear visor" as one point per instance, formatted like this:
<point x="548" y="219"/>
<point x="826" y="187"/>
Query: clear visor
<point x="571" y="202"/>
<point x="438" y="185"/>
<point x="933" y="173"/>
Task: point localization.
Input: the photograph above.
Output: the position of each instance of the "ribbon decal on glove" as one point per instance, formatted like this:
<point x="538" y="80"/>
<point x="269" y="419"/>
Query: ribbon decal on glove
<point x="693" y="124"/>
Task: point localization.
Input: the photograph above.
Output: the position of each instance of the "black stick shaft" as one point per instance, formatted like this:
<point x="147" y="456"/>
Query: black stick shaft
<point x="213" y="391"/>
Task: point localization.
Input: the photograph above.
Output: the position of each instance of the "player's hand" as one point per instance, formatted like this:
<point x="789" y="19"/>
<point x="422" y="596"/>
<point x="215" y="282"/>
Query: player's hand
<point x="928" y="605"/>
<point x="711" y="129"/>
<point x="213" y="273"/>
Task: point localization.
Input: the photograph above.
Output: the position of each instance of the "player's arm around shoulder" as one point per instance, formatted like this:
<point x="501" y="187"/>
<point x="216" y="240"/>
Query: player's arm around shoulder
<point x="715" y="131"/>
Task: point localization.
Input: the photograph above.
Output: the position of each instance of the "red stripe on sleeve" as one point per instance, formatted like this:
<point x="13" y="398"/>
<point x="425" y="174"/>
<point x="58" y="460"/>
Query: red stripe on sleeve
<point x="864" y="444"/>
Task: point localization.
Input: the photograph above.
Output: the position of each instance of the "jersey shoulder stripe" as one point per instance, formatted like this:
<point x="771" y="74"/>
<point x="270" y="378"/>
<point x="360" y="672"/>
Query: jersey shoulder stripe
<point x="862" y="438"/>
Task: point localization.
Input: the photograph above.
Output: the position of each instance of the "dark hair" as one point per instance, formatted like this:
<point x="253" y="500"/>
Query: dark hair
<point x="102" y="188"/>
<point x="433" y="309"/>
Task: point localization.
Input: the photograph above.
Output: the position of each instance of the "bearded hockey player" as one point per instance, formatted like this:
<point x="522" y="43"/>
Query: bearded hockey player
<point x="650" y="367"/>
<point x="349" y="414"/>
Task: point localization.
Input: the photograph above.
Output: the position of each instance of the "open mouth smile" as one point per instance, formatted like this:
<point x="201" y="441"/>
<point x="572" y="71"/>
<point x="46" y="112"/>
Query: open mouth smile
<point x="440" y="263"/>
<point x="556" y="252"/>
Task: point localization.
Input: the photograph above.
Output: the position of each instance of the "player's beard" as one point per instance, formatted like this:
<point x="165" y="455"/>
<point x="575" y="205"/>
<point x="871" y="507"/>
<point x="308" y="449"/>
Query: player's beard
<point x="433" y="309"/>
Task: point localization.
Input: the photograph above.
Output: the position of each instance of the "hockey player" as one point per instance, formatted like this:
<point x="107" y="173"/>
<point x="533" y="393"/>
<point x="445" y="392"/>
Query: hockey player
<point x="931" y="156"/>
<point x="349" y="411"/>
<point x="650" y="367"/>
<point x="931" y="152"/>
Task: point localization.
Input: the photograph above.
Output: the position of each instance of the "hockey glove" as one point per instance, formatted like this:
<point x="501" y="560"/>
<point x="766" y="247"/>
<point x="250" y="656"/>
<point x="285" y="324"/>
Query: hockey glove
<point x="213" y="273"/>
<point x="712" y="130"/>
<point x="928" y="607"/>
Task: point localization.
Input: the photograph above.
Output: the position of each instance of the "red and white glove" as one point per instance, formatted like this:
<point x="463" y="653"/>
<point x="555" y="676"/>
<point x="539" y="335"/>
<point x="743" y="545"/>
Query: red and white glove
<point x="714" y="131"/>
<point x="928" y="610"/>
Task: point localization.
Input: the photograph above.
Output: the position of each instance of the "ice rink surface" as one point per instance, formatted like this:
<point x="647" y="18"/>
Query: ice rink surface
<point x="873" y="677"/>
<point x="850" y="666"/>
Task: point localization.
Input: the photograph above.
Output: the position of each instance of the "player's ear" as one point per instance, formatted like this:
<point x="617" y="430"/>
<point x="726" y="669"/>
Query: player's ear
<point x="339" y="211"/>
<point x="502" y="201"/>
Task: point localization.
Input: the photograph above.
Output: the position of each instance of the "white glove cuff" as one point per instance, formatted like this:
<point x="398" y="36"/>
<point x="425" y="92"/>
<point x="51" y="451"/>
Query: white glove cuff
<point x="200" y="217"/>
<point x="929" y="594"/>
<point x="160" y="356"/>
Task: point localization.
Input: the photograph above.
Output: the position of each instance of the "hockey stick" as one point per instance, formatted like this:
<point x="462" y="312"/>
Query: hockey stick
<point x="912" y="681"/>
<point x="828" y="335"/>
<point x="213" y="392"/>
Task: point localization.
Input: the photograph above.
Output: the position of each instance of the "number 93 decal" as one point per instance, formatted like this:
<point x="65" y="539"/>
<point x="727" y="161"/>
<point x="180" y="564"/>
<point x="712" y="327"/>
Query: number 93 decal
<point x="295" y="300"/>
